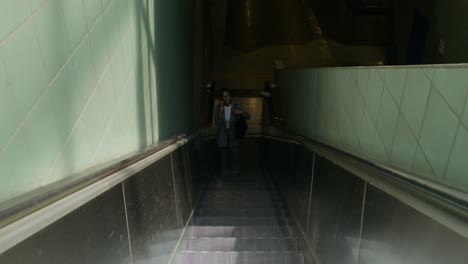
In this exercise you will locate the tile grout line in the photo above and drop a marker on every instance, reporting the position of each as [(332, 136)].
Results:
[(399, 112), (22, 24), (362, 221), (452, 147), (93, 161), (401, 115), (432, 90), (366, 108), (50, 84), (79, 119), (418, 137), (179, 221), (130, 251), (460, 118), (460, 125), (349, 115), (310, 194)]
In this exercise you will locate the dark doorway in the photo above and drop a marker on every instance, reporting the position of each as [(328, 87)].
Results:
[(418, 39)]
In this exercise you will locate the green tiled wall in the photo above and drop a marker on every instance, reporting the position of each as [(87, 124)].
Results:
[(412, 118), (78, 86)]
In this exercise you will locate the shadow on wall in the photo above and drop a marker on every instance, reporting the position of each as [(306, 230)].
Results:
[(99, 85), (165, 34), (145, 73), (174, 45)]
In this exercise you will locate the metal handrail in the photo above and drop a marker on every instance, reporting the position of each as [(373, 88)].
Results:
[(445, 205), (33, 212), (26, 204)]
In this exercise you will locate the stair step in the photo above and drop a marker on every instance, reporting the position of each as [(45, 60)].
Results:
[(240, 196), (241, 258), (238, 200), (242, 244), (237, 187), (239, 204), (240, 212), (240, 231), (239, 221), (236, 194)]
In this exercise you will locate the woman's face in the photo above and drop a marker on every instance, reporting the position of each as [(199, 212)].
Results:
[(226, 98)]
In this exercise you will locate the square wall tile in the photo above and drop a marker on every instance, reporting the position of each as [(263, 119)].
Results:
[(465, 116), (35, 4), (388, 118), (20, 54), (415, 97), (75, 21), (378, 152), (353, 140), (395, 82), (452, 83), (84, 70), (118, 73), (42, 134), (12, 14), (105, 3), (16, 172), (8, 116), (404, 145), (76, 156), (114, 137), (429, 71), (362, 81), (457, 171), (123, 15), (52, 37), (93, 11), (367, 133), (67, 103), (124, 114), (128, 55), (357, 110), (93, 117), (103, 153), (112, 28), (438, 133), (106, 90), (98, 41), (374, 94), (422, 168)]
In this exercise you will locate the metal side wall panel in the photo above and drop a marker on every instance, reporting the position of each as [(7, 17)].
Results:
[(396, 233), (297, 187), (152, 213), (335, 213), (94, 233), (279, 159), (181, 181)]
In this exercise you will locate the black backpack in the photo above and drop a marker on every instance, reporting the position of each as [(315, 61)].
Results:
[(241, 127)]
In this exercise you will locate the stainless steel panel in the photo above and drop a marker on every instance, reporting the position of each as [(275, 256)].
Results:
[(151, 206), (335, 213), (182, 186), (249, 157), (297, 187), (396, 233), (278, 155), (94, 233)]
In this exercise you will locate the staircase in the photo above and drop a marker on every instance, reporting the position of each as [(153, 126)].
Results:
[(240, 222)]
